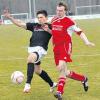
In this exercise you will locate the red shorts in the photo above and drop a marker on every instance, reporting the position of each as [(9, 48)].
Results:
[(63, 52)]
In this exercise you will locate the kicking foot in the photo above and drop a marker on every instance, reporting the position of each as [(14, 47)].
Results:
[(27, 88), (85, 84), (58, 96), (52, 88)]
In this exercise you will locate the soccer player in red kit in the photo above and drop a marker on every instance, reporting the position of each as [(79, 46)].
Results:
[(62, 29)]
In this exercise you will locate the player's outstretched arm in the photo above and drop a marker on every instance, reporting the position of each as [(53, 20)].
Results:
[(85, 39), (14, 21), (77, 30)]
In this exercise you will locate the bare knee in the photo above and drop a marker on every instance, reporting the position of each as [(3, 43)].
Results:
[(32, 58), (61, 66), (67, 73)]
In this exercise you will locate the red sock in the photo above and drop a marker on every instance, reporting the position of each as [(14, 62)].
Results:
[(76, 76), (61, 84)]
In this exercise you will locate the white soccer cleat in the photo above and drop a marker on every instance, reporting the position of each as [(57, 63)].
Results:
[(27, 88), (52, 88)]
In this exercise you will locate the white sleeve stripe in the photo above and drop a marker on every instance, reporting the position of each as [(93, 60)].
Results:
[(73, 29)]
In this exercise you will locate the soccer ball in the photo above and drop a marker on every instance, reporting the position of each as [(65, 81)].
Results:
[(17, 77)]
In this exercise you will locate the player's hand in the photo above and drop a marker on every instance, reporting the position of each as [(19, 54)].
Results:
[(46, 27), (6, 13), (90, 44)]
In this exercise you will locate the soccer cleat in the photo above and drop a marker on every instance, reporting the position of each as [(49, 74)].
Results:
[(85, 84), (52, 88), (27, 88), (58, 96)]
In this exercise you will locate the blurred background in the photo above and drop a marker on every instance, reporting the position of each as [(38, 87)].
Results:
[(30, 7)]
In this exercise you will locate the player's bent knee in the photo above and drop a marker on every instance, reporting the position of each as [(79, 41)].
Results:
[(67, 73), (31, 58)]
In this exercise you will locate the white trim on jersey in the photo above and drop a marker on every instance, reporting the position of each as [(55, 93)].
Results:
[(73, 29), (56, 18)]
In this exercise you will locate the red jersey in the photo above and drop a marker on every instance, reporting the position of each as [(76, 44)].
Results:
[(62, 29)]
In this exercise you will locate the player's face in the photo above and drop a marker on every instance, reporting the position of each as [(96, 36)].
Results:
[(42, 19), (60, 11)]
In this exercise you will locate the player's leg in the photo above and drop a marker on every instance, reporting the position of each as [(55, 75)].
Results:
[(44, 75), (78, 77), (72, 74), (61, 81), (30, 70), (75, 76)]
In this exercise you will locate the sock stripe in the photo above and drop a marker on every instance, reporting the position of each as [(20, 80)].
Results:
[(61, 84)]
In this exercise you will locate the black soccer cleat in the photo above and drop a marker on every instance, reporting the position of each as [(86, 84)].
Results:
[(85, 84), (58, 96)]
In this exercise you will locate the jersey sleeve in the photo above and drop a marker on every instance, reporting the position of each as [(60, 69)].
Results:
[(30, 26), (73, 27), (70, 22), (76, 29)]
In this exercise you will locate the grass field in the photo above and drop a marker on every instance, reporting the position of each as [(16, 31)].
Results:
[(13, 55)]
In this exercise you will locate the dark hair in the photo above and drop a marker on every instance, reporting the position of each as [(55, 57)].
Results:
[(63, 4), (44, 12)]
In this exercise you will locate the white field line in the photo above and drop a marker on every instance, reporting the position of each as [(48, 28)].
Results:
[(10, 58), (88, 55), (91, 55), (49, 57)]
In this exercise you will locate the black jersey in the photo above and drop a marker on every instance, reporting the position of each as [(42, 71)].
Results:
[(39, 36)]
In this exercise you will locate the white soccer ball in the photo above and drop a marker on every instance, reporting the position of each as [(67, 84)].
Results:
[(17, 77)]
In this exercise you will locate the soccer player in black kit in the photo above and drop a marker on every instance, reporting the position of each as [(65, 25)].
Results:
[(37, 48)]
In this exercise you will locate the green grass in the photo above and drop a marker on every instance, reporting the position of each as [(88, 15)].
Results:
[(13, 56)]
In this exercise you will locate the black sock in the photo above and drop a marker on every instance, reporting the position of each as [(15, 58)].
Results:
[(46, 78), (30, 71)]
